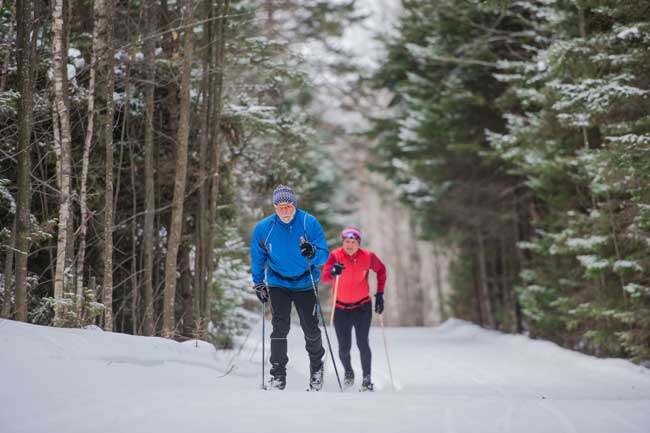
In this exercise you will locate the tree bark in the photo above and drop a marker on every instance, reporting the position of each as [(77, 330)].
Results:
[(134, 250), (488, 319), (216, 94), (180, 177), (83, 195), (23, 200), (439, 293), (104, 98), (202, 218), (9, 274), (59, 67), (149, 216), (186, 290)]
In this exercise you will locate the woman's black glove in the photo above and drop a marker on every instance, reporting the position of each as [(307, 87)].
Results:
[(337, 268), (379, 303)]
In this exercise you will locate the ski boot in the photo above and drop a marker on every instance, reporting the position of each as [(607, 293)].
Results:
[(366, 384), (316, 379), (348, 379), (278, 382)]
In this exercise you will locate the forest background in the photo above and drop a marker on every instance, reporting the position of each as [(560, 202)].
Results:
[(495, 153)]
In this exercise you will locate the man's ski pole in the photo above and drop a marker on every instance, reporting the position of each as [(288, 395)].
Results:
[(336, 289), (263, 342), (390, 370), (320, 311)]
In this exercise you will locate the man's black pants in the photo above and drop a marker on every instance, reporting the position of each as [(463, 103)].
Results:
[(305, 303), (344, 321)]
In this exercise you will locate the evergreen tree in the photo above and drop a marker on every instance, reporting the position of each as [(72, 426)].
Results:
[(578, 130)]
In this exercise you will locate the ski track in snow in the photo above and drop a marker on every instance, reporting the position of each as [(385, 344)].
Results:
[(456, 378), (565, 423)]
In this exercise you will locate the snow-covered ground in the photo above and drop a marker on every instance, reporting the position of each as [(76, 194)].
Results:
[(454, 378)]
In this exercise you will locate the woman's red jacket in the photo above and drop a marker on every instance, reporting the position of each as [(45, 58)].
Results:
[(353, 287)]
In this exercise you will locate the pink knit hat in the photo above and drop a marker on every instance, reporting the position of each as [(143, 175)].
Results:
[(351, 233)]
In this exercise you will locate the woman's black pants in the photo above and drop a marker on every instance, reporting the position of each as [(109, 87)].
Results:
[(358, 318)]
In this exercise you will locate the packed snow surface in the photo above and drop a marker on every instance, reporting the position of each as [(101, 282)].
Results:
[(454, 378)]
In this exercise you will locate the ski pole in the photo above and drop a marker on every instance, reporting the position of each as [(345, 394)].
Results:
[(383, 334), (320, 311), (263, 342), (336, 289)]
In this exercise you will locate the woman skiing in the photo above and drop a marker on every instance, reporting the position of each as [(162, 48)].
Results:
[(351, 265)]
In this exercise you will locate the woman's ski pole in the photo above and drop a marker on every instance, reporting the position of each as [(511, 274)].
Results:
[(390, 370), (336, 289)]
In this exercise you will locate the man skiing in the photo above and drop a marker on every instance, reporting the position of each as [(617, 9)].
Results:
[(280, 247), (351, 265)]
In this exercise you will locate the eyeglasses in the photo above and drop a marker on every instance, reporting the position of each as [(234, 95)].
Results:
[(284, 206)]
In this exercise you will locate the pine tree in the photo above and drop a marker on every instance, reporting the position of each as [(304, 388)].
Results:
[(577, 128)]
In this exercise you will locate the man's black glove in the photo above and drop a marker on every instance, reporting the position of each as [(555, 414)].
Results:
[(337, 268), (379, 303), (307, 249), (262, 292)]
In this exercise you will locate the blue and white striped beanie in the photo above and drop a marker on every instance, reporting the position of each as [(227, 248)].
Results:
[(284, 194)]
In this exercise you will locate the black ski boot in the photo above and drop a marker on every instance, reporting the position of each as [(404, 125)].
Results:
[(366, 384), (348, 379), (316, 379), (278, 382)]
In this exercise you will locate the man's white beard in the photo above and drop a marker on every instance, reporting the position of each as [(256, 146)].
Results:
[(287, 219)]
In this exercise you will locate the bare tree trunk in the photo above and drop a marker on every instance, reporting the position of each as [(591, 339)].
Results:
[(186, 290), (9, 274), (519, 261), (60, 89), (170, 46), (83, 195), (23, 201), (149, 197), (483, 283), (216, 94), (104, 98), (134, 251), (176, 223), (202, 243), (439, 292)]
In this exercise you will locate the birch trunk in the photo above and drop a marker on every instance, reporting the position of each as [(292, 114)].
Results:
[(60, 89), (176, 223), (83, 195)]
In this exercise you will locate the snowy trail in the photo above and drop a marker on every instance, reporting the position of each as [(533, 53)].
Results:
[(455, 378)]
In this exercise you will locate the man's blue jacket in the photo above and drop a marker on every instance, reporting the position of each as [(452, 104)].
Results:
[(277, 245)]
